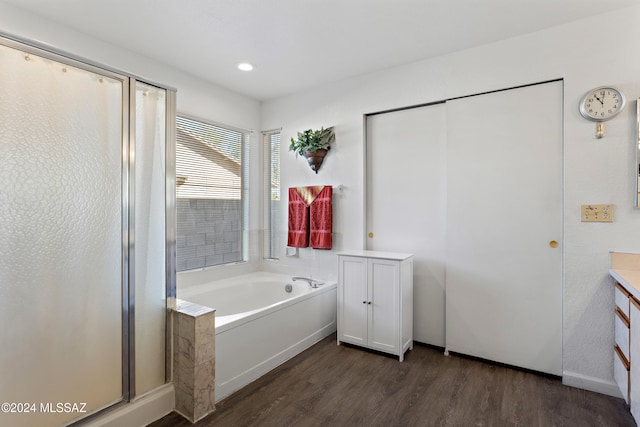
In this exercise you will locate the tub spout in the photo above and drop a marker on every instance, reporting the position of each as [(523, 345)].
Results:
[(310, 281)]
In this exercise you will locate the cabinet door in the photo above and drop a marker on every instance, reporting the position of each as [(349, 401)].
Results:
[(384, 310), (621, 372), (352, 300), (634, 350)]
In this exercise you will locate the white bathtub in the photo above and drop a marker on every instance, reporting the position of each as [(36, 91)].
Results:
[(259, 325)]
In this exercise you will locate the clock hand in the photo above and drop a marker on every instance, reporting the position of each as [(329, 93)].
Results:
[(599, 100)]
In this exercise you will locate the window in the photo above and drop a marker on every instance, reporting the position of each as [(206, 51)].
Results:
[(272, 193), (211, 195)]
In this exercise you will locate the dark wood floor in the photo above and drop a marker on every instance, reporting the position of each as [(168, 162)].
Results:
[(330, 385)]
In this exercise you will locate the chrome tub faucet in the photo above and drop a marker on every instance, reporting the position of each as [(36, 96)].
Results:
[(310, 281)]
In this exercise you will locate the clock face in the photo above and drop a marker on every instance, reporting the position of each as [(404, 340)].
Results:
[(601, 104)]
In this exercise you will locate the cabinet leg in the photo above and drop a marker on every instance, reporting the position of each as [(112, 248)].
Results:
[(446, 351)]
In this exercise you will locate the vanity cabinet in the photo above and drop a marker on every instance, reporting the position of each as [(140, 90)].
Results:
[(625, 269), (626, 357), (375, 300), (633, 386), (621, 366)]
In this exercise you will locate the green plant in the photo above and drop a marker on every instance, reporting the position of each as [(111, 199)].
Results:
[(312, 140)]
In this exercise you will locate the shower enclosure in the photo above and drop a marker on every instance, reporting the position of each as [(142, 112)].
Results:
[(86, 236)]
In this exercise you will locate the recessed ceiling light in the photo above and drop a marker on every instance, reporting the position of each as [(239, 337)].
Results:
[(245, 66)]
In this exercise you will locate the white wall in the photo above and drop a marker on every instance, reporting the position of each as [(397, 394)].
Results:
[(595, 171)]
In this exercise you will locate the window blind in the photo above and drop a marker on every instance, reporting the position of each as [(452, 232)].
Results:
[(272, 205), (211, 191), (208, 160)]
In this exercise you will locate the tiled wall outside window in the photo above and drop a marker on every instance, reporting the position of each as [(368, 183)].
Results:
[(209, 232)]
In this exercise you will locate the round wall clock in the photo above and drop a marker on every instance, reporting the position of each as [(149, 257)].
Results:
[(602, 103)]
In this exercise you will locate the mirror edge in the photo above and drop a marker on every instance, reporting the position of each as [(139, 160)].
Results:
[(637, 151)]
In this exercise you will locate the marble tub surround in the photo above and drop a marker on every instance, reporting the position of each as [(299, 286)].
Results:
[(194, 360), (625, 268)]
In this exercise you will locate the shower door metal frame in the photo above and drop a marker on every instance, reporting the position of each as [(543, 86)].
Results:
[(170, 225), (127, 194)]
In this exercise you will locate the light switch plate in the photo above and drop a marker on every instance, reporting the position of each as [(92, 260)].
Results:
[(596, 213)]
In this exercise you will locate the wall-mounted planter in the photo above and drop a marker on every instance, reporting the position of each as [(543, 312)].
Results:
[(313, 145), (315, 158)]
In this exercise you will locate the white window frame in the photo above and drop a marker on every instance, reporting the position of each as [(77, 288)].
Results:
[(205, 245), (271, 192)]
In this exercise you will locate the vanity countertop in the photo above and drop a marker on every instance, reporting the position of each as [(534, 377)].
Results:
[(625, 268)]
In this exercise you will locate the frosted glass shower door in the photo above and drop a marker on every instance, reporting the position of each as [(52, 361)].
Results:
[(149, 235), (61, 234)]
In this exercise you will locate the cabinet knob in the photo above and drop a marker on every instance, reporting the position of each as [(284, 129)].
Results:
[(369, 303), (364, 302)]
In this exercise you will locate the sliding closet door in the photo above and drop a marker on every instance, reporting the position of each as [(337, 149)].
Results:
[(406, 203), (504, 217)]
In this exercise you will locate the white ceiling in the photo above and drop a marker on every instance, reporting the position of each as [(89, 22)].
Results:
[(297, 44)]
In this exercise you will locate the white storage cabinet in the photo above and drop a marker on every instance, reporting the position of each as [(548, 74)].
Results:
[(375, 300)]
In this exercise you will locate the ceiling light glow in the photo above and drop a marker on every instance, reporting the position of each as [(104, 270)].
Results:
[(245, 66)]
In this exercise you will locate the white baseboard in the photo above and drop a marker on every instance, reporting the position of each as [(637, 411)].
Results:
[(597, 385), (142, 411)]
